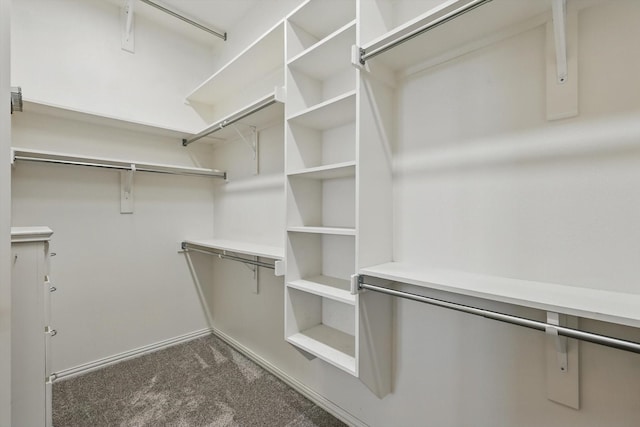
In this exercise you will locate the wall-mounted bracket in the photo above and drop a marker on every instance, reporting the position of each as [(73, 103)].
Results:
[(252, 143), (560, 342), (559, 8), (126, 190), (16, 99), (356, 280), (563, 385), (127, 26), (279, 268), (562, 61)]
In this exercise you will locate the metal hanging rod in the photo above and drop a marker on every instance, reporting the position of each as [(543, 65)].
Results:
[(447, 15), (223, 36), (189, 247), (46, 157), (233, 118), (607, 341)]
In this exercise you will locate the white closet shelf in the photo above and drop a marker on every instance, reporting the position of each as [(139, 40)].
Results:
[(30, 234), (258, 59), (306, 16), (327, 287), (70, 113), (103, 162), (332, 171), (449, 35), (329, 344), (607, 306), (325, 58), (328, 114), (259, 113), (240, 247), (338, 231)]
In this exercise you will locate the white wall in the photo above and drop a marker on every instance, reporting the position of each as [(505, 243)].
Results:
[(5, 218), (121, 282), (68, 52)]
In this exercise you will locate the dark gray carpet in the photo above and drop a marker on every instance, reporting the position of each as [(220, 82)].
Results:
[(203, 382)]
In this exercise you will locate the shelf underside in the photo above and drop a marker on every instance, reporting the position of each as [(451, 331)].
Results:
[(476, 24), (607, 306), (334, 171), (240, 247)]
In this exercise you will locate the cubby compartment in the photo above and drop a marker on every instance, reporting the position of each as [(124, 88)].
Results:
[(315, 254), (323, 327), (321, 202), (314, 21), (315, 148)]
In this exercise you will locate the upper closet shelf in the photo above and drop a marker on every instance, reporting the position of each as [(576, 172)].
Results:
[(607, 306), (447, 27), (259, 59), (239, 247), (67, 113), (102, 162), (257, 114)]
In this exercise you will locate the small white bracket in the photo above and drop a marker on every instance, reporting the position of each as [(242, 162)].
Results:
[(563, 385), (355, 278), (279, 268), (562, 61), (355, 56), (559, 342), (252, 143), (13, 156), (559, 8), (126, 190), (127, 26)]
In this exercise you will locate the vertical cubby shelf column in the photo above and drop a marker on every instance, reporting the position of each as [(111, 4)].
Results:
[(321, 314)]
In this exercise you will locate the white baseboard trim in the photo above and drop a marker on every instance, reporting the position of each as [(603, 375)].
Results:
[(120, 357), (300, 387)]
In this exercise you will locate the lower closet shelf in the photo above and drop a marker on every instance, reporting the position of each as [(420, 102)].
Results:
[(330, 344), (239, 247)]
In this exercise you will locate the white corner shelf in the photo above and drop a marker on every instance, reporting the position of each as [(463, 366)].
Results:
[(607, 306), (240, 247), (327, 287), (484, 20), (328, 114), (329, 344), (336, 231), (24, 154), (259, 113), (328, 56), (258, 59), (85, 116), (332, 171)]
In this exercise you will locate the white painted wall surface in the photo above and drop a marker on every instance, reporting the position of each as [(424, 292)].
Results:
[(68, 52), (5, 217)]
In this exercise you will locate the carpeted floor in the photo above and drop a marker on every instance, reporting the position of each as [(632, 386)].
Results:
[(203, 382)]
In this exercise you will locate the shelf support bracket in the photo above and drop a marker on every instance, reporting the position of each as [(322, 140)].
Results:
[(559, 8), (562, 61), (562, 362), (127, 24), (252, 143), (126, 190)]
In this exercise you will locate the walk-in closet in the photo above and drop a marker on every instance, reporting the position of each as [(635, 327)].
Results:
[(315, 212)]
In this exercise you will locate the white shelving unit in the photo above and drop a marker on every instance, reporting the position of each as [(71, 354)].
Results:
[(322, 316)]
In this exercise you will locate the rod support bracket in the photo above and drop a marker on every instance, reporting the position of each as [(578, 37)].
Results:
[(559, 341)]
